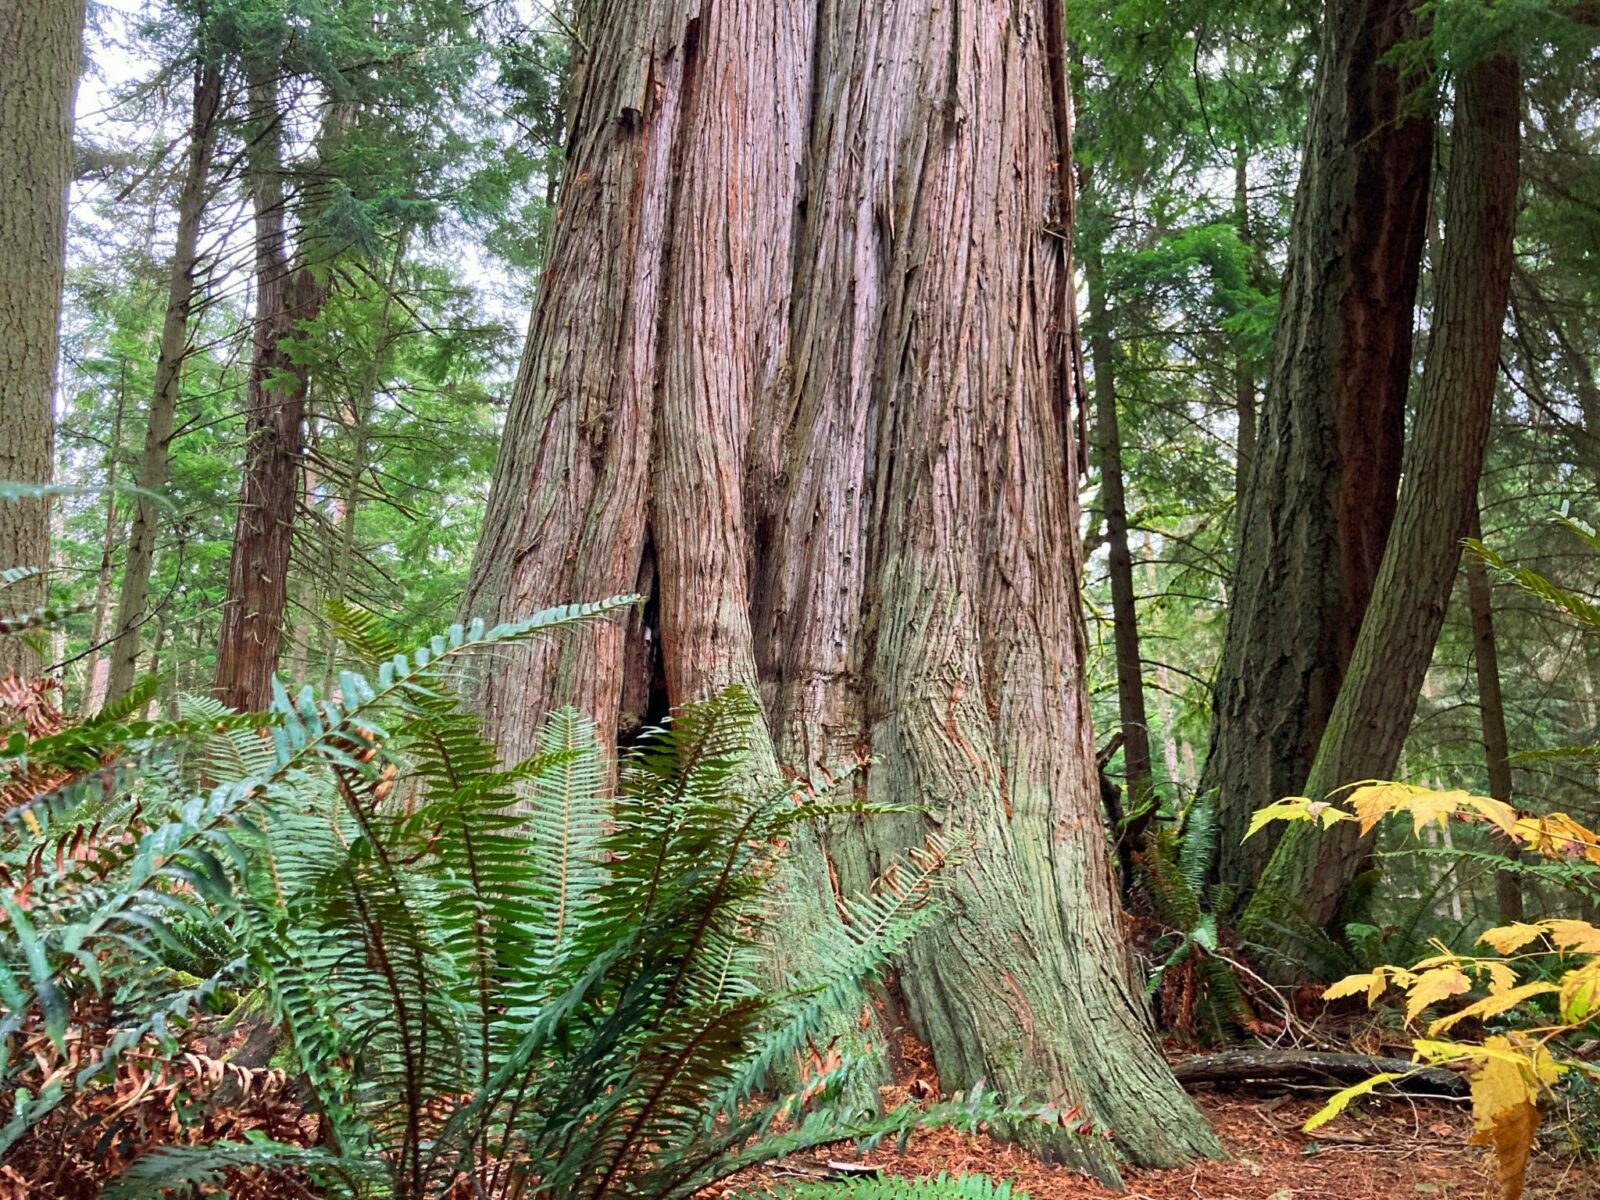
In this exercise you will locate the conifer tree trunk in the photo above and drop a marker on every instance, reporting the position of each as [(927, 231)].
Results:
[(162, 416), (1327, 454), (795, 368), (1310, 869), (96, 670), (1491, 712), (251, 636), (1124, 613), (41, 42)]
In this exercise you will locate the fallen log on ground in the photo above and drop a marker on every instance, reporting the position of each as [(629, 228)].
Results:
[(1259, 1066)]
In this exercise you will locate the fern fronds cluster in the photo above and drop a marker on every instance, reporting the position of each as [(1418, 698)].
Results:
[(484, 978)]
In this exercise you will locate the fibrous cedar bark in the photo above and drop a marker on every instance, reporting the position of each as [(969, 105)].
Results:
[(795, 369), (251, 634), (1321, 492), (1310, 869), (162, 416), (41, 42)]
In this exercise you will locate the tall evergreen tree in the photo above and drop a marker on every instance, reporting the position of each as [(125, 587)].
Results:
[(41, 45), (845, 476)]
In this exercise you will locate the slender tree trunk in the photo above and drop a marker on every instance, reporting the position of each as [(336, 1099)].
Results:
[(155, 458), (1310, 869), (1169, 737), (95, 673), (41, 43), (1491, 712), (1322, 487), (1244, 371), (1124, 613), (845, 472), (251, 636)]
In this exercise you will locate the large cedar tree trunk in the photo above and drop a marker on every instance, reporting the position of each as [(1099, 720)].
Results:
[(41, 42), (794, 371), (155, 458), (1311, 868), (251, 635), (1327, 456)]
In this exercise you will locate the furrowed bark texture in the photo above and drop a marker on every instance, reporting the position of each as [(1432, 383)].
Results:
[(1310, 869), (1327, 456), (41, 42), (251, 634), (161, 419), (793, 368)]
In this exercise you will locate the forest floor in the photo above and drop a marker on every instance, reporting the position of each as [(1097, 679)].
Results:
[(1417, 1150)]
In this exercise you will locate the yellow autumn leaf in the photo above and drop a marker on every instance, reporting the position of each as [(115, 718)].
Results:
[(1495, 1004), (1508, 1075), (1428, 1052), (1430, 987), (1341, 1100), (1578, 936), (1580, 993), (1371, 982), (1497, 812), (1501, 977), (1556, 835), (1508, 939), (1510, 1134), (1296, 808), (1374, 801)]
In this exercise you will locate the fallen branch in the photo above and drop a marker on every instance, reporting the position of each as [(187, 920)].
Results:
[(1289, 1066)]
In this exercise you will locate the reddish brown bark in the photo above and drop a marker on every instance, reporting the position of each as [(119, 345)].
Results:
[(796, 365), (251, 634)]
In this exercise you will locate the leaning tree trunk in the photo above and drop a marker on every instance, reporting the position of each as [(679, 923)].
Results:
[(41, 42), (794, 371), (1491, 712), (1311, 868), (155, 458), (251, 636), (1327, 455)]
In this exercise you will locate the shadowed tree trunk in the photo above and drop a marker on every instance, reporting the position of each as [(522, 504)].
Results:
[(1492, 713), (1139, 805), (155, 458), (251, 635), (795, 369), (41, 42), (1311, 868), (1327, 454)]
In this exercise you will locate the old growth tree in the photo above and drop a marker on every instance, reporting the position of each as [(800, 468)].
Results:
[(800, 371)]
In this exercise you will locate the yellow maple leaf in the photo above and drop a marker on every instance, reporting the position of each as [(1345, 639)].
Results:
[(1495, 1004), (1497, 812), (1296, 808), (1432, 986), (1580, 992), (1572, 935), (1341, 1100), (1506, 1088), (1508, 939), (1510, 1135), (1501, 977), (1371, 982)]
